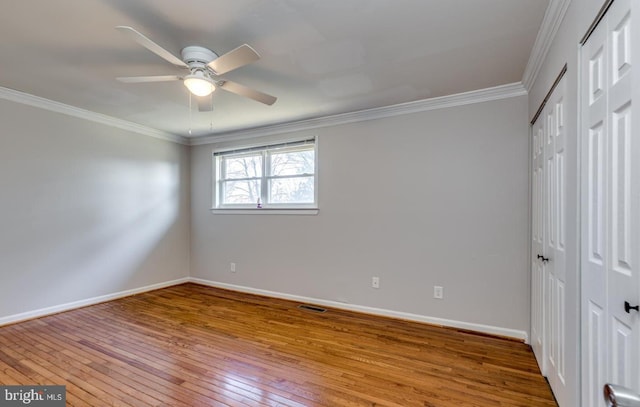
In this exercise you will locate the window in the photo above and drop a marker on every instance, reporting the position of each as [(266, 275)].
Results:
[(279, 176)]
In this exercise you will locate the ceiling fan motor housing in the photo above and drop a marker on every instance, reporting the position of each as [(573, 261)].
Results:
[(197, 57)]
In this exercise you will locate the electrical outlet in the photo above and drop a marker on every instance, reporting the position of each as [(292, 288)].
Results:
[(438, 292), (375, 282), (232, 267)]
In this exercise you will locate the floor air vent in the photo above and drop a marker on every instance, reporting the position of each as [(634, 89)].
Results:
[(312, 308)]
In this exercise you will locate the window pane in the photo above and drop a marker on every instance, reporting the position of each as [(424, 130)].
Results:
[(297, 190), (241, 192), (292, 163), (247, 166)]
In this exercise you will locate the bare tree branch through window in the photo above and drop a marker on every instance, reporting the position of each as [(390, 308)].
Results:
[(269, 176)]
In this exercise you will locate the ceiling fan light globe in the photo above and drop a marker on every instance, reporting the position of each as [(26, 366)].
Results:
[(199, 86)]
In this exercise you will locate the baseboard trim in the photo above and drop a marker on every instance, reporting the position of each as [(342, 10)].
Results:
[(12, 319), (485, 329)]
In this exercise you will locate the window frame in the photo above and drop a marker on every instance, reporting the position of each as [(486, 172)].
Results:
[(265, 150)]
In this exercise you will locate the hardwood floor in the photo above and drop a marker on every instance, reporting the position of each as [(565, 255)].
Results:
[(191, 345)]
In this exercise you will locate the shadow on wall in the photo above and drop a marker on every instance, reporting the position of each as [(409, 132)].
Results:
[(146, 209), (90, 234)]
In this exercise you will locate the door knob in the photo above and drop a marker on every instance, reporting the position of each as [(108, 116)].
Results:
[(618, 396), (628, 307)]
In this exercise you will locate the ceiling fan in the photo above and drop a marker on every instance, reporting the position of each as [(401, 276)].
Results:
[(204, 67)]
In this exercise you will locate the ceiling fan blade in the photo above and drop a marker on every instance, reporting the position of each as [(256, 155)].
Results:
[(142, 79), (151, 46), (242, 90), (205, 104), (240, 56)]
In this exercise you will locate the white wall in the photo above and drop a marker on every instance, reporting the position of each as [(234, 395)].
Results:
[(438, 197), (564, 49), (86, 210)]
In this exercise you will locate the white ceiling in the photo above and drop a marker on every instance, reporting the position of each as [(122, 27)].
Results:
[(319, 57)]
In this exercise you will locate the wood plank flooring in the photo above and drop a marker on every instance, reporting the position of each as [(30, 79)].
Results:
[(191, 345)]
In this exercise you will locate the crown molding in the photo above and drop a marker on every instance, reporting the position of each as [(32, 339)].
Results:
[(550, 24), (57, 107), (459, 99)]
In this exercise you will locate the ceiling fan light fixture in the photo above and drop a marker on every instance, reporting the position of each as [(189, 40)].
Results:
[(199, 84)]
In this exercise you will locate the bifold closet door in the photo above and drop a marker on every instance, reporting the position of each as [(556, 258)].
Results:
[(549, 240), (538, 342), (610, 203)]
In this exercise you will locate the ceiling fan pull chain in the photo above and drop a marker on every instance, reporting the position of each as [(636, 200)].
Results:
[(211, 122), (190, 109)]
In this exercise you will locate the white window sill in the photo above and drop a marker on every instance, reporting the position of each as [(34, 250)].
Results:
[(264, 211)]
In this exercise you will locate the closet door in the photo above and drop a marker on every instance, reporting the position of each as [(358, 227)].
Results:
[(593, 209), (537, 238), (610, 204), (549, 241), (554, 239)]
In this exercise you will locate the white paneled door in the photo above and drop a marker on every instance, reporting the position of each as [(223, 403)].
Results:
[(555, 239), (549, 240), (610, 202), (538, 342)]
